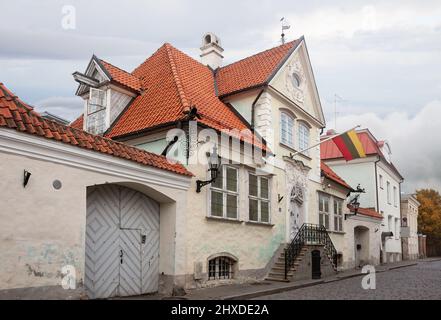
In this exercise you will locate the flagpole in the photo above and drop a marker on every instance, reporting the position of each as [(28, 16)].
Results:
[(292, 155)]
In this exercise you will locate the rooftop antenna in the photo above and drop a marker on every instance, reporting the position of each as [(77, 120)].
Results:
[(285, 26), (337, 98)]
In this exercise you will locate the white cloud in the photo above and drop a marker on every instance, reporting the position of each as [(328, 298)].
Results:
[(414, 142)]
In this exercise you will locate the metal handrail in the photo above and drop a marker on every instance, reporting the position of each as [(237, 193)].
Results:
[(310, 234)]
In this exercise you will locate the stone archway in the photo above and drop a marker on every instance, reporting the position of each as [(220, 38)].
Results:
[(361, 246)]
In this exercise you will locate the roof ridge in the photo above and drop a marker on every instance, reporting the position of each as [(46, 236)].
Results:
[(177, 80), (260, 52), (118, 68), (15, 98)]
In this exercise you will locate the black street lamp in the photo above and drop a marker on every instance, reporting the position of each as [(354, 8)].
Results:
[(354, 205), (214, 165)]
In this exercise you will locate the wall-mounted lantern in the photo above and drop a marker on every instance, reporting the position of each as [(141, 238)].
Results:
[(26, 177), (354, 204), (214, 165)]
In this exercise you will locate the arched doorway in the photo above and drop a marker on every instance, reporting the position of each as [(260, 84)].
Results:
[(122, 242), (361, 246)]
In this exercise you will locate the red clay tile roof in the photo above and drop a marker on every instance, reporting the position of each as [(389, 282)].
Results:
[(17, 115), (330, 174), (78, 123), (253, 71), (122, 77), (175, 82), (367, 212)]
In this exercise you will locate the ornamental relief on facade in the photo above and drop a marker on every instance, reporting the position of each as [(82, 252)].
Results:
[(295, 87), (297, 190)]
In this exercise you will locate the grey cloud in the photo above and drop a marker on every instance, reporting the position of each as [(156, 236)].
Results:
[(27, 44), (68, 108), (415, 150)]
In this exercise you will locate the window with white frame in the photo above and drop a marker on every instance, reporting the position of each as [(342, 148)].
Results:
[(96, 111), (287, 129), (259, 199), (388, 192), (381, 181), (324, 210), (338, 215), (303, 137), (395, 197), (224, 194)]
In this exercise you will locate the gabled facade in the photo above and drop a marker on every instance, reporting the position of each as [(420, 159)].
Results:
[(267, 102), (382, 182)]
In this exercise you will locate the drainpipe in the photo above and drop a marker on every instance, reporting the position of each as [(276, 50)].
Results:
[(399, 207), (376, 186), (377, 206), (252, 109)]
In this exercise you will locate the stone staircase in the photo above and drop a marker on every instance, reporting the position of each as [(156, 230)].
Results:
[(277, 272), (309, 238)]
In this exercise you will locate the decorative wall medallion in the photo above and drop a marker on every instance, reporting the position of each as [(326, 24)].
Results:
[(295, 80), (57, 184)]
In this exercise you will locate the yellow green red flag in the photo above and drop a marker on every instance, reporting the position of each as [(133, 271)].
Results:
[(349, 145)]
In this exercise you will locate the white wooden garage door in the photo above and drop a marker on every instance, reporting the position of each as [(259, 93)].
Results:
[(122, 242)]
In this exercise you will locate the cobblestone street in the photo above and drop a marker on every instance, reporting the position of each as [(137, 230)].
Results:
[(422, 281)]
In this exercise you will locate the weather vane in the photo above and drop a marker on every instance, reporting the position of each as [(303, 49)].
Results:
[(285, 26)]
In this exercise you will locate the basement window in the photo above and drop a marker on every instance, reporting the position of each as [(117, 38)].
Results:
[(221, 268)]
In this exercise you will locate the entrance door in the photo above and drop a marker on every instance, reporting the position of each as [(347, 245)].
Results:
[(122, 242), (315, 264), (130, 263)]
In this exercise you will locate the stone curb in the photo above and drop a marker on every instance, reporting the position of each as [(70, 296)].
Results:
[(398, 267), (255, 294)]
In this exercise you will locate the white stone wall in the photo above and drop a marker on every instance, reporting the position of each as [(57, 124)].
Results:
[(43, 228)]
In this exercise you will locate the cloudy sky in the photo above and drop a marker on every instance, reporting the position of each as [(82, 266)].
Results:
[(382, 58)]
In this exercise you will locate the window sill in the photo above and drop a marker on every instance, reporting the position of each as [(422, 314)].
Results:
[(257, 223), (306, 156), (222, 219), (337, 232), (287, 146)]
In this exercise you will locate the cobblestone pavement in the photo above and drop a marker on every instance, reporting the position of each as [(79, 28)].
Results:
[(422, 281)]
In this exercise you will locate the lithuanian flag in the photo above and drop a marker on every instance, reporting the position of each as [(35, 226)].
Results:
[(349, 145)]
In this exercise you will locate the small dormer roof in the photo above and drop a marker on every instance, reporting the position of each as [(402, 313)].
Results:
[(100, 72)]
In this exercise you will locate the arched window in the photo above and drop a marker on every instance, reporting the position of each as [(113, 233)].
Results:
[(221, 267), (303, 137), (287, 129), (207, 39)]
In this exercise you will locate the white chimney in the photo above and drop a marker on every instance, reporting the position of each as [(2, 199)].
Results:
[(211, 51)]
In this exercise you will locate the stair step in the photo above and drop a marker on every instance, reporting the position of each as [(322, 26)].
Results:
[(282, 268), (280, 274), (276, 279)]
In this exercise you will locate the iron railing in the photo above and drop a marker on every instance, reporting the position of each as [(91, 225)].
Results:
[(309, 234)]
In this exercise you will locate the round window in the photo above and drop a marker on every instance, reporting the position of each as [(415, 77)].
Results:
[(295, 80)]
